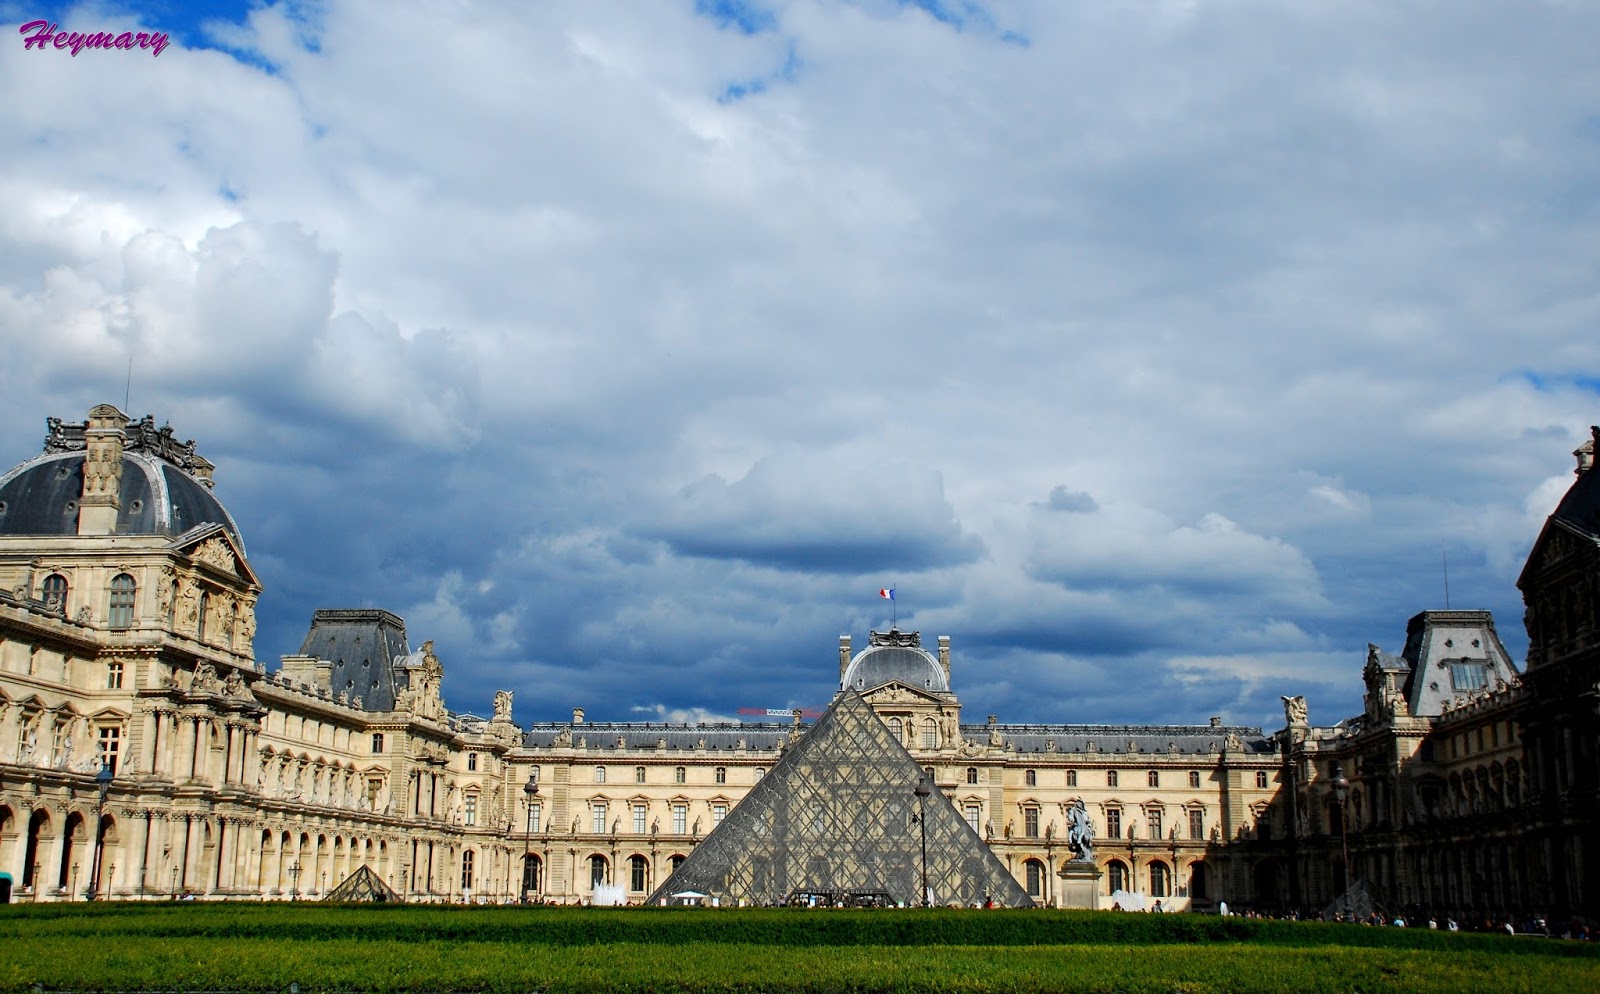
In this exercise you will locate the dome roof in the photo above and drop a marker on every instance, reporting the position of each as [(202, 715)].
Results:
[(895, 657), (156, 493)]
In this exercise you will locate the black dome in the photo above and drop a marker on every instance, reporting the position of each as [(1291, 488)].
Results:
[(41, 496)]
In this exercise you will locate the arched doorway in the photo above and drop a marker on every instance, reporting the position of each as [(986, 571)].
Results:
[(1197, 881), (73, 836), (1116, 876), (599, 871), (1034, 872), (532, 876), (38, 830), (1160, 879), (1266, 881)]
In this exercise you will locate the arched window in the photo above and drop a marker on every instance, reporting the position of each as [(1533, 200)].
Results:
[(467, 859), (972, 774), (1116, 876), (54, 593), (1072, 778), (599, 774), (930, 734), (598, 871), (1035, 875), (677, 861), (1160, 879), (898, 729), (721, 774), (472, 761), (205, 607), (1154, 778), (1111, 778), (122, 592), (638, 875)]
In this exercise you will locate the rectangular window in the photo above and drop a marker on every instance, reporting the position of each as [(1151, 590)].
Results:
[(718, 812), (110, 746), (1030, 822), (636, 869), (467, 859), (722, 774), (599, 818), (680, 819), (1197, 823), (472, 761), (1153, 816), (1469, 675), (1261, 779), (973, 813), (377, 741), (535, 817), (1072, 778), (469, 812), (599, 774), (1114, 823), (638, 819), (1194, 778), (113, 676), (638, 774), (680, 775), (1030, 777), (1154, 778), (1111, 778)]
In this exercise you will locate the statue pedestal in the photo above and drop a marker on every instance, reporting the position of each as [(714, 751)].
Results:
[(1080, 886)]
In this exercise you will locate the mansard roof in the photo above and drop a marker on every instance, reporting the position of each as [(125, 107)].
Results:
[(363, 645), (601, 737)]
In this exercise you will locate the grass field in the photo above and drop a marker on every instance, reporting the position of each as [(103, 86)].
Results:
[(256, 947)]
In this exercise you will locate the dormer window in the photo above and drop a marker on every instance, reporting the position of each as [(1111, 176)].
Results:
[(1469, 674)]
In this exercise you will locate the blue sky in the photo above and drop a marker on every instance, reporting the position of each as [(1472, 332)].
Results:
[(1156, 352)]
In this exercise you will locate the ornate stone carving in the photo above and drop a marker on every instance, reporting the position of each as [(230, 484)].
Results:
[(205, 679), (502, 705), (1294, 710), (214, 551)]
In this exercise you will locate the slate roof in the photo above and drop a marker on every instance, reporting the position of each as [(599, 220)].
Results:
[(634, 736), (362, 644), (1156, 740)]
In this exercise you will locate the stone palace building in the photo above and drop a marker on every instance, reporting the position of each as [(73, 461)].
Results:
[(145, 752)]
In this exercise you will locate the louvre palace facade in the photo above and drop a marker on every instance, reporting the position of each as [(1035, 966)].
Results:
[(146, 753)]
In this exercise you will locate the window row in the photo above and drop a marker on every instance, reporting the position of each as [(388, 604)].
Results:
[(680, 774)]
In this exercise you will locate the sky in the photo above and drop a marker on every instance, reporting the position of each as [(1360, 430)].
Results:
[(1162, 354)]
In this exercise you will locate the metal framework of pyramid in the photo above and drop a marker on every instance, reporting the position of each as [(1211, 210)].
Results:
[(362, 885), (835, 821)]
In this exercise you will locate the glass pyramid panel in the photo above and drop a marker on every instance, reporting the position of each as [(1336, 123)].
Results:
[(835, 821), (362, 885)]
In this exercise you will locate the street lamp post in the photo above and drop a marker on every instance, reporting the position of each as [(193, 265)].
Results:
[(531, 789), (922, 792), (1341, 792), (294, 880), (103, 781)]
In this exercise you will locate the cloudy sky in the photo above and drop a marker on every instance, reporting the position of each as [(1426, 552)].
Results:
[(1157, 352)]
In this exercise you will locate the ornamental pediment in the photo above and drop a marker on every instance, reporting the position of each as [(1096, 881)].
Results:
[(899, 693), (212, 546)]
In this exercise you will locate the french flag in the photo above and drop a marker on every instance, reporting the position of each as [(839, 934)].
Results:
[(887, 593)]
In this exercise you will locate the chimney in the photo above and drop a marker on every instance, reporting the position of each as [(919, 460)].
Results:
[(1585, 452), (577, 716), (944, 657), (844, 656), (102, 471), (1216, 721)]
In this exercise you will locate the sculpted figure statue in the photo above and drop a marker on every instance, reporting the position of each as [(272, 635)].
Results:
[(1080, 833), (502, 705), (1294, 710)]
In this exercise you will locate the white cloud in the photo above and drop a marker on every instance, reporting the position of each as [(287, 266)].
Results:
[(1270, 305)]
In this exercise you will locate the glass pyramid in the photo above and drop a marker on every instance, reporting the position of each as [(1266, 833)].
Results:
[(362, 885), (835, 822)]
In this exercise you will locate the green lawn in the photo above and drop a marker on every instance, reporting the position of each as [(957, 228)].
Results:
[(256, 947)]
